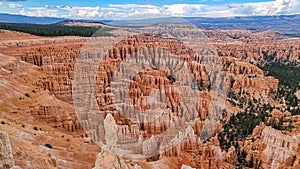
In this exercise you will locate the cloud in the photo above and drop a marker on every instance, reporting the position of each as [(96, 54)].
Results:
[(183, 9), (89, 12), (70, 12), (40, 12), (14, 6), (1, 3), (278, 7), (136, 11), (115, 11)]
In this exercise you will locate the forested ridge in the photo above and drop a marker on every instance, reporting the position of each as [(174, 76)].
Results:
[(56, 29)]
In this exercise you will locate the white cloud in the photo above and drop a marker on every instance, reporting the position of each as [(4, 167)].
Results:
[(183, 9), (135, 11), (1, 3), (275, 7), (89, 12), (40, 12), (14, 6)]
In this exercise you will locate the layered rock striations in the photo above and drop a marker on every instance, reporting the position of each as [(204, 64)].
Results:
[(56, 58), (34, 117)]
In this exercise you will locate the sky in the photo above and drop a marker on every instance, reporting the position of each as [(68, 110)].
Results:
[(118, 9)]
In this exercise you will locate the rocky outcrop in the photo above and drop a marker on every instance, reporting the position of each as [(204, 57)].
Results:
[(41, 105), (56, 116), (186, 167), (279, 147), (108, 160), (110, 129), (262, 50), (34, 117), (6, 155), (270, 148), (56, 58), (244, 77), (277, 114), (241, 35), (209, 155), (297, 94)]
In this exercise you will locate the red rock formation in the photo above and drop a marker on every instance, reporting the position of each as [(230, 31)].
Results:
[(49, 70), (262, 50), (247, 78), (271, 148)]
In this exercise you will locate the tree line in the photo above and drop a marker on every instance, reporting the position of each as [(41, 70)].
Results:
[(53, 30)]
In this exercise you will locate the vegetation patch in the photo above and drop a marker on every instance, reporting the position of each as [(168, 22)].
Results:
[(286, 74), (53, 30), (289, 84), (27, 94), (48, 145)]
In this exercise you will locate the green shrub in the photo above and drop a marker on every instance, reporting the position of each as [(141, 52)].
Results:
[(48, 145), (27, 95)]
